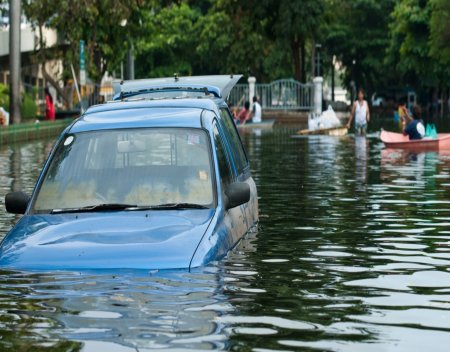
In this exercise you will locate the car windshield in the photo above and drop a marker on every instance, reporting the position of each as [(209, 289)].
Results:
[(129, 167)]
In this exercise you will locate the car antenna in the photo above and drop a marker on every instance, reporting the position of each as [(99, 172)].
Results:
[(175, 76)]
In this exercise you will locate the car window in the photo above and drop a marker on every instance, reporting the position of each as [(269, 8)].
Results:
[(133, 166), (222, 157), (238, 150)]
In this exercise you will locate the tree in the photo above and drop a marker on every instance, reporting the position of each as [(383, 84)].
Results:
[(439, 43), (409, 47), (38, 13), (197, 38), (356, 32), (419, 47), (226, 36), (104, 25), (170, 39), (440, 31), (293, 24)]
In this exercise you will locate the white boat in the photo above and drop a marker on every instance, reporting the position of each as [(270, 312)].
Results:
[(334, 131), (265, 124)]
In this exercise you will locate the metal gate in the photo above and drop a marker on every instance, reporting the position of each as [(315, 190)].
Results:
[(283, 94)]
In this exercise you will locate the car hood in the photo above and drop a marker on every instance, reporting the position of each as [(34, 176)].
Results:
[(138, 240)]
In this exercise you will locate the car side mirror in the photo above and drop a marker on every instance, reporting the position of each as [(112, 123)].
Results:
[(236, 194), (17, 202)]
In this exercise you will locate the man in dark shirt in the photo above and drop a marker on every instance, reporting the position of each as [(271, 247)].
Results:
[(415, 128)]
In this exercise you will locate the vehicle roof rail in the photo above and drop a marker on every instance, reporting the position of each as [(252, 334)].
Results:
[(219, 85)]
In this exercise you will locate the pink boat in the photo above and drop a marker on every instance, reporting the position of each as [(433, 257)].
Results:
[(398, 140)]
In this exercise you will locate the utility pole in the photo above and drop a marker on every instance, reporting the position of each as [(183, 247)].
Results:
[(14, 60)]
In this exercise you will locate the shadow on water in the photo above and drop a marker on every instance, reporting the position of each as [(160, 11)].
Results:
[(352, 253)]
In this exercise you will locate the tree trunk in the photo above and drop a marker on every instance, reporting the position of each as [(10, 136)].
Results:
[(42, 55), (303, 61), (55, 84), (296, 55), (101, 69), (332, 81), (446, 100)]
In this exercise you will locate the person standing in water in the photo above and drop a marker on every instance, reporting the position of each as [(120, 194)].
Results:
[(49, 106), (256, 113), (361, 113)]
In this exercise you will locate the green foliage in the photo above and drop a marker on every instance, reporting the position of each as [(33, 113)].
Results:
[(28, 109), (440, 31), (409, 44), (419, 51), (226, 36), (356, 32), (169, 42), (4, 96), (106, 27), (378, 43)]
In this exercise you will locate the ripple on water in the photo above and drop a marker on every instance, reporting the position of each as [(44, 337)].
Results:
[(336, 254), (423, 279), (409, 300), (420, 317), (267, 320), (97, 314)]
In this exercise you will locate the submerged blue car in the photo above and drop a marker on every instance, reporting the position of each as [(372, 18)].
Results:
[(157, 179)]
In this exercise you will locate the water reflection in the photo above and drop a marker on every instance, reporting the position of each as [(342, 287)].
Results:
[(352, 254), (361, 156)]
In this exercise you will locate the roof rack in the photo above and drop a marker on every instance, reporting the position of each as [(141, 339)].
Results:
[(217, 85), (172, 88)]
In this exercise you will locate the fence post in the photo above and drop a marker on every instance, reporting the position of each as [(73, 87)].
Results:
[(318, 95), (251, 89)]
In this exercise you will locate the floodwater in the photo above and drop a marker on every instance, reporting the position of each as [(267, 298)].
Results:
[(352, 254)]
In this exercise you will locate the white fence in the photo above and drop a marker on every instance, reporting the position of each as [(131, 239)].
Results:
[(283, 94)]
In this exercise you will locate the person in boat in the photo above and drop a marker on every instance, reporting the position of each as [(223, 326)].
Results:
[(415, 128), (361, 114), (233, 110), (401, 113), (255, 115), (243, 114)]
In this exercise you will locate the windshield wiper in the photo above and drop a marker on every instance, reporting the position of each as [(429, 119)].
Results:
[(120, 206), (169, 206), (92, 208)]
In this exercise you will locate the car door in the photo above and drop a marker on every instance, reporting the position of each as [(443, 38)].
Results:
[(235, 219), (241, 163)]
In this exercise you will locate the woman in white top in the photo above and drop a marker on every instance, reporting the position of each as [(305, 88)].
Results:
[(360, 111), (256, 114)]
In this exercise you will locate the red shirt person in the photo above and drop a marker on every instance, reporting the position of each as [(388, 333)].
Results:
[(49, 106), (244, 113)]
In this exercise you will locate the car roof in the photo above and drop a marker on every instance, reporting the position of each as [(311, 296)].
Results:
[(145, 113)]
